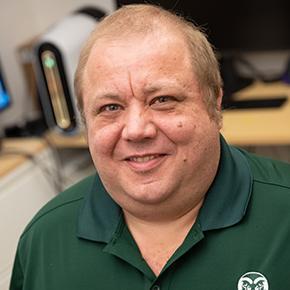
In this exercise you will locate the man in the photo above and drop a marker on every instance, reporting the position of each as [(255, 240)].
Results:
[(172, 206)]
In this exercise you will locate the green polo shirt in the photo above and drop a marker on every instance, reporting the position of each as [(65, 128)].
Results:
[(79, 240)]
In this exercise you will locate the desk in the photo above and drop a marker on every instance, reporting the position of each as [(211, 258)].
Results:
[(10, 160), (259, 127), (59, 140)]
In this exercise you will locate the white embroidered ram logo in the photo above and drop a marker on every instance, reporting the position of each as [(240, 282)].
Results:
[(253, 281)]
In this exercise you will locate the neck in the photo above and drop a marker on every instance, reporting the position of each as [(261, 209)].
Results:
[(186, 218), (159, 239)]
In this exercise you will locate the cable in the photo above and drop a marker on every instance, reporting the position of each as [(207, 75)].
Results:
[(49, 176), (62, 170), (57, 159)]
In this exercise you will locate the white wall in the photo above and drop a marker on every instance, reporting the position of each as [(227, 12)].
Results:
[(21, 20)]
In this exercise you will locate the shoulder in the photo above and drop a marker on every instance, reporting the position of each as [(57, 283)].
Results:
[(269, 171), (271, 185), (65, 205), (270, 195)]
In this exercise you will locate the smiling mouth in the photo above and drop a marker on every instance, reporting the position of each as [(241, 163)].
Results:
[(143, 159), (145, 162)]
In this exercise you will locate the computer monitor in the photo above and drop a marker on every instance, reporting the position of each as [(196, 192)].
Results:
[(5, 99), (235, 28), (243, 25)]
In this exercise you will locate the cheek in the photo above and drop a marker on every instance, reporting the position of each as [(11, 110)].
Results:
[(102, 140), (190, 132), (179, 129)]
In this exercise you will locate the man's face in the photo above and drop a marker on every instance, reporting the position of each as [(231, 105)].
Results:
[(149, 133)]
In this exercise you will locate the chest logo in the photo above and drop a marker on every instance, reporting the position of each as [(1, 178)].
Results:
[(253, 281)]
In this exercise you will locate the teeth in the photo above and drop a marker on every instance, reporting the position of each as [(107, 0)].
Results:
[(142, 159)]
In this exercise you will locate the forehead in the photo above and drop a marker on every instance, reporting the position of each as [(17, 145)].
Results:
[(160, 46), (150, 60)]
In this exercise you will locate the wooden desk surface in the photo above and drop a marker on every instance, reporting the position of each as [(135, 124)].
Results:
[(270, 126), (66, 141), (10, 159)]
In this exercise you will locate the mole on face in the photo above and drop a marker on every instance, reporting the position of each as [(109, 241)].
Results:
[(179, 125)]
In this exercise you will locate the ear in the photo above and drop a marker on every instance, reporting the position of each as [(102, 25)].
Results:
[(219, 100), (219, 109)]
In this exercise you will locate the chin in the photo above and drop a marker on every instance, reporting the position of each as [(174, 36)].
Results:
[(148, 194)]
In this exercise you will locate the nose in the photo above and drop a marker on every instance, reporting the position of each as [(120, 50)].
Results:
[(138, 126)]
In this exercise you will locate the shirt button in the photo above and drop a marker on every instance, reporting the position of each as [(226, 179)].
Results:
[(156, 287)]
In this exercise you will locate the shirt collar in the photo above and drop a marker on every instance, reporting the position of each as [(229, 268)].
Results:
[(99, 215), (225, 203), (227, 198)]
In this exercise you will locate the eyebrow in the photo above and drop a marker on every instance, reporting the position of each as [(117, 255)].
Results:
[(151, 89), (147, 90), (102, 96)]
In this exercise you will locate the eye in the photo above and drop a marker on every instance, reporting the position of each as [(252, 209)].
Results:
[(161, 99), (110, 108), (163, 103)]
